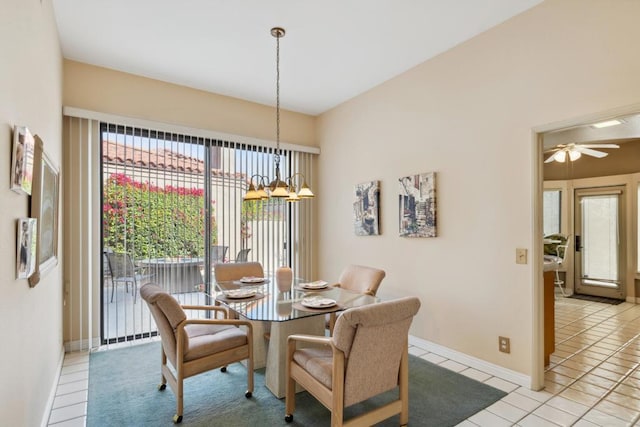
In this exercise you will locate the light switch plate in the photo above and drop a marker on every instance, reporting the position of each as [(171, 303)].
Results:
[(521, 256)]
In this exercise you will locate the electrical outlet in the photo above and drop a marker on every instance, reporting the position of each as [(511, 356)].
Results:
[(521, 256), (504, 344)]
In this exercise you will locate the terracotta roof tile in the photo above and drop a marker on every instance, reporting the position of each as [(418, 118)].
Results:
[(114, 152)]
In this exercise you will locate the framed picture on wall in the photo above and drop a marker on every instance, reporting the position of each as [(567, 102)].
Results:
[(22, 160), (26, 248), (417, 205), (44, 206), (366, 209)]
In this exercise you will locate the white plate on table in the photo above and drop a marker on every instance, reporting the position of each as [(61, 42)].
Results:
[(318, 302), (252, 279), (318, 284), (240, 293)]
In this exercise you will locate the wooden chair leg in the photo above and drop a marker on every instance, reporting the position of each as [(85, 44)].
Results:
[(179, 404), (332, 322), (290, 392), (404, 387)]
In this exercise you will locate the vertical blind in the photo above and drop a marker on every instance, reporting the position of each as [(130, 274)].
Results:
[(172, 204)]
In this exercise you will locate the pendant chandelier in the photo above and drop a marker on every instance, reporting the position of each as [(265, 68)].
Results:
[(284, 188)]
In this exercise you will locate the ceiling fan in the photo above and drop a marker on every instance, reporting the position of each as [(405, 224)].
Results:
[(575, 151)]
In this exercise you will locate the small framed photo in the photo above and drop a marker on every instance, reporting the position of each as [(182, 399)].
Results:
[(22, 160), (26, 251)]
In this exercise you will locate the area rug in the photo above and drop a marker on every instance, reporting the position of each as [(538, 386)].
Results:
[(604, 300), (123, 392)]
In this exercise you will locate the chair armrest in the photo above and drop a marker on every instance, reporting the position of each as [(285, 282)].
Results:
[(207, 308), (314, 339), (233, 322)]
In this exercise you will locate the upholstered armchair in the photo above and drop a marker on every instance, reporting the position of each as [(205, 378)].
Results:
[(228, 272), (194, 346), (237, 270), (366, 356), (360, 279)]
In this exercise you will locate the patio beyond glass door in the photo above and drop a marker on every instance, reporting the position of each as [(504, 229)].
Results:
[(600, 242)]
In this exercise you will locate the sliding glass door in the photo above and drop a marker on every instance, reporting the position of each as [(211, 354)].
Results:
[(172, 207)]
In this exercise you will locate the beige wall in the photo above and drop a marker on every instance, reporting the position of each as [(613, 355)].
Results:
[(468, 115), (108, 91), (31, 318)]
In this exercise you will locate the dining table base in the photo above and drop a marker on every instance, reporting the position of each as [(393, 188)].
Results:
[(276, 369)]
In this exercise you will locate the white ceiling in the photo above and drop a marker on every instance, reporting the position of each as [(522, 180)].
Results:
[(333, 49)]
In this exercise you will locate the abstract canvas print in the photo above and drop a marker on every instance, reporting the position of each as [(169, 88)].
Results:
[(418, 205), (366, 209)]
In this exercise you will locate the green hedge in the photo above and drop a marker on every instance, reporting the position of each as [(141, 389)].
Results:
[(149, 221)]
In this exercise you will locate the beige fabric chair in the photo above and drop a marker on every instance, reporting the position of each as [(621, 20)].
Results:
[(361, 279), (194, 346), (366, 356), (357, 278), (237, 270)]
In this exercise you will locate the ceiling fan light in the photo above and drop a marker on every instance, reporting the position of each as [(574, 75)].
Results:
[(560, 156), (574, 155)]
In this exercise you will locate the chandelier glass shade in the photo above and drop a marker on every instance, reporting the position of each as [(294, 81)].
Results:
[(260, 187)]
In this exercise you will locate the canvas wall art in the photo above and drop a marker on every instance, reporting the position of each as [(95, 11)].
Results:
[(418, 205), (22, 160), (26, 253), (366, 209), (44, 206)]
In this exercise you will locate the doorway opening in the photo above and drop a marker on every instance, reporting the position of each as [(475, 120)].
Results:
[(597, 199)]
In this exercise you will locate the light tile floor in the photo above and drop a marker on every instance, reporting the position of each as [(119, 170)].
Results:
[(593, 378)]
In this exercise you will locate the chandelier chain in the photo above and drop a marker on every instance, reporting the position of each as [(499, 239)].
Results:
[(277, 156)]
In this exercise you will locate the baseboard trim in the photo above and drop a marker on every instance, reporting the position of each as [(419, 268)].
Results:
[(54, 387), (81, 345), (473, 362)]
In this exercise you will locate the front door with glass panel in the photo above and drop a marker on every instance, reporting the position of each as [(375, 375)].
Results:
[(600, 242)]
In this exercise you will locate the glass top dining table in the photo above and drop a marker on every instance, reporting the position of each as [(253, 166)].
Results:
[(285, 314), (272, 305)]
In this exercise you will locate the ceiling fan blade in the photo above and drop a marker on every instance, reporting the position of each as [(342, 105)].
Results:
[(549, 159), (590, 152), (552, 150), (598, 145)]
